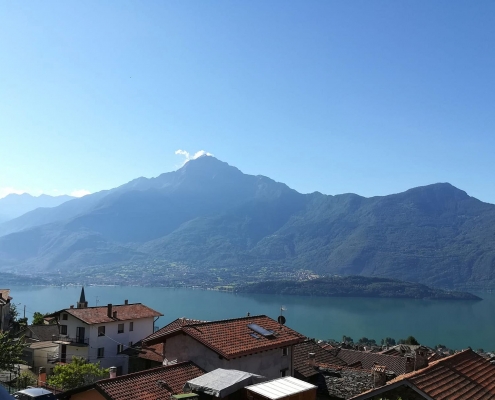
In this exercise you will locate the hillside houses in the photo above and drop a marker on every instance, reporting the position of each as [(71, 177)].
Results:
[(189, 359)]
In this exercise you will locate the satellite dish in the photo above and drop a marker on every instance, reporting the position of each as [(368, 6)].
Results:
[(281, 320)]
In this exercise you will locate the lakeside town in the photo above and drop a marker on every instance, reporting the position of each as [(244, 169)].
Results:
[(116, 352)]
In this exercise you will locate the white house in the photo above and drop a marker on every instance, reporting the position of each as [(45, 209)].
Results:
[(100, 334), (256, 344)]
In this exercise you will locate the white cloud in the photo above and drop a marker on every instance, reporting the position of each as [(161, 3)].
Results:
[(189, 157), (80, 193), (5, 191)]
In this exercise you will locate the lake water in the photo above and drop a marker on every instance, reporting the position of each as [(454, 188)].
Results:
[(456, 324)]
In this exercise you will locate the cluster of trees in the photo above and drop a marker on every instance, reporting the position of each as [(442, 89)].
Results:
[(388, 341), (77, 373)]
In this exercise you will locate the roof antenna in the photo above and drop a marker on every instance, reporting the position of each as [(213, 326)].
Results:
[(281, 318)]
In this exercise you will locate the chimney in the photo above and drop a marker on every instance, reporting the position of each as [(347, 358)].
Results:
[(109, 311), (311, 359), (379, 375), (115, 314), (126, 302), (42, 377), (113, 372), (72, 306)]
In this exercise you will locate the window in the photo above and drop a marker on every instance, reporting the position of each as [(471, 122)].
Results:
[(63, 329), (120, 328), (101, 352), (64, 317), (285, 351), (120, 348), (131, 326), (101, 330), (283, 372)]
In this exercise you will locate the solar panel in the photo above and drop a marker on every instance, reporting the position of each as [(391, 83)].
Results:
[(258, 329), (254, 335)]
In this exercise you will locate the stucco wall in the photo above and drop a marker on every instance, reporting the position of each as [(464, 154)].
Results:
[(142, 328), (267, 363)]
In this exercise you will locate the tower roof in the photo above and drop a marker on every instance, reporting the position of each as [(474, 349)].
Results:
[(82, 299)]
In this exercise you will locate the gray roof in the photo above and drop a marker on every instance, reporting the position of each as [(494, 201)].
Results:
[(222, 382), (43, 333)]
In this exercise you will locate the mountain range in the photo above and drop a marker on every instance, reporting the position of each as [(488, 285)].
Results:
[(209, 214), (15, 205)]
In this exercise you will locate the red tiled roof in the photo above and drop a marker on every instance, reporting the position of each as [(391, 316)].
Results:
[(462, 376), (173, 326), (152, 384), (153, 353), (323, 358), (98, 315), (395, 364), (233, 338)]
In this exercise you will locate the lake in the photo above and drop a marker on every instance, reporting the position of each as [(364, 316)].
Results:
[(456, 324)]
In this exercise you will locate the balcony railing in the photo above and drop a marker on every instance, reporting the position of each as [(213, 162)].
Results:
[(72, 340)]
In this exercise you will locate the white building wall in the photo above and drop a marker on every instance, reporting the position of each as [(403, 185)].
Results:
[(142, 328), (267, 363), (40, 358)]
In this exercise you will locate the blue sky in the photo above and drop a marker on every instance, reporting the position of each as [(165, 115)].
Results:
[(370, 97)]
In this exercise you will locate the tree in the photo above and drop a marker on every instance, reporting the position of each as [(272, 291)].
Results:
[(388, 341), (27, 378), (410, 340), (16, 323), (10, 352), (75, 374), (38, 318), (347, 339)]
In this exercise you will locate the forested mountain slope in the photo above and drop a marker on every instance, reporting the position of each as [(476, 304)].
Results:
[(208, 214)]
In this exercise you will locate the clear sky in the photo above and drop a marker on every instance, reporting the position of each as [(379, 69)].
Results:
[(370, 97)]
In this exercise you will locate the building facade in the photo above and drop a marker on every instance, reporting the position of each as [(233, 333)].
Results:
[(256, 344), (100, 334)]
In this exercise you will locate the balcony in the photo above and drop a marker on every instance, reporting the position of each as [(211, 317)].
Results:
[(70, 341)]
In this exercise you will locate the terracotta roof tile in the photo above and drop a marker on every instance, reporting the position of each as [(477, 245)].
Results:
[(322, 358), (462, 376), (173, 326), (153, 353), (152, 384), (395, 364), (98, 315), (233, 338)]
